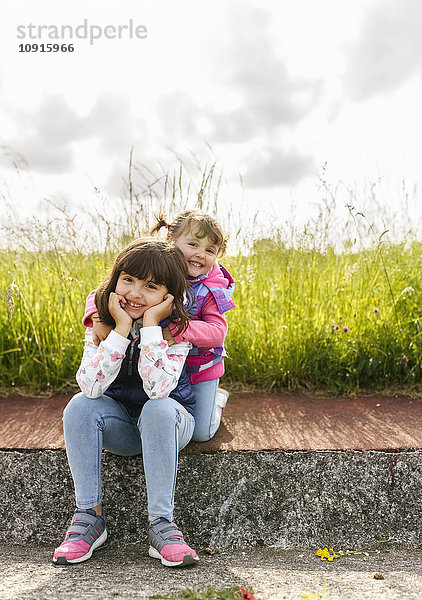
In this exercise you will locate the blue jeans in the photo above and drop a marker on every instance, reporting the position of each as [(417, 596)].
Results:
[(162, 430), (207, 412)]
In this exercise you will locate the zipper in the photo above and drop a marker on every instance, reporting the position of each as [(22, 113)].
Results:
[(132, 349)]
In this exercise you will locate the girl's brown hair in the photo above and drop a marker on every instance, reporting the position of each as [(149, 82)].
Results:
[(198, 224), (148, 259)]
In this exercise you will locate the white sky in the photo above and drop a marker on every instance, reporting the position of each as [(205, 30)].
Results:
[(277, 88)]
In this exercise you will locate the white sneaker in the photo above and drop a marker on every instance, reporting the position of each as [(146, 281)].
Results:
[(221, 397)]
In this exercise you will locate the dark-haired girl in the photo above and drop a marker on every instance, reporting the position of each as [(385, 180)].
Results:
[(135, 398)]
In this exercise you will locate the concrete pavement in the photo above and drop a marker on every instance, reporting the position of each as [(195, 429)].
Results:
[(127, 572)]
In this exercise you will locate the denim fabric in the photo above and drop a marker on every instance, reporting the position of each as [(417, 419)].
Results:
[(207, 411), (163, 428)]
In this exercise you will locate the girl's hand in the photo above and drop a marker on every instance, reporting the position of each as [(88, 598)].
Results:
[(123, 320), (155, 314), (99, 330)]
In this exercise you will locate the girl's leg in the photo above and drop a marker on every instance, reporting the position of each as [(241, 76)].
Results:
[(207, 410), (91, 424), (165, 427)]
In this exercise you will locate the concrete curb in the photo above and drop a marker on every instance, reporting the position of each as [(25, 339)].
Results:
[(279, 499)]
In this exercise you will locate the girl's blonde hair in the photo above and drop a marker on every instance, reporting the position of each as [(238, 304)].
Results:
[(148, 259), (198, 224)]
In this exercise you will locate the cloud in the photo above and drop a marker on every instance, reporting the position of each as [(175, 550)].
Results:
[(114, 124), (49, 133), (44, 137), (269, 97), (42, 156), (54, 122), (273, 167), (255, 100), (247, 68), (116, 183), (388, 50), (178, 113)]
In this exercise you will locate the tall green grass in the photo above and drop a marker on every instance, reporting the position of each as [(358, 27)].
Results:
[(325, 320), (304, 318), (312, 313)]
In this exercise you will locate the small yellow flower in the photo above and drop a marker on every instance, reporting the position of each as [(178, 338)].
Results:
[(327, 554)]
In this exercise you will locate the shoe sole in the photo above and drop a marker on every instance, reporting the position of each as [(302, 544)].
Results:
[(62, 560), (186, 562)]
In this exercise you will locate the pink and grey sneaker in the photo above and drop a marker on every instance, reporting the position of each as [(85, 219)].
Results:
[(86, 533), (167, 543)]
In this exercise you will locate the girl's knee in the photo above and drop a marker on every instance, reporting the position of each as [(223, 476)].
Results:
[(158, 411), (77, 409), (201, 434), (205, 428)]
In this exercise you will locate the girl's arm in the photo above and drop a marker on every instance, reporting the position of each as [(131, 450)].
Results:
[(207, 333), (160, 366), (91, 319), (100, 364), (90, 309)]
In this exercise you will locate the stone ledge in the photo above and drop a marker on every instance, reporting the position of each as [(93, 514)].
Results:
[(284, 499)]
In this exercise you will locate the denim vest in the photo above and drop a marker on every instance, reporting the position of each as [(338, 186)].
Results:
[(127, 388)]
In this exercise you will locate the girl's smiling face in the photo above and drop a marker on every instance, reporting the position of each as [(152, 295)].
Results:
[(200, 253), (140, 294)]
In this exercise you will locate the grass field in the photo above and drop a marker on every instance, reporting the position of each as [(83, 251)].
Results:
[(333, 307), (337, 322), (305, 318)]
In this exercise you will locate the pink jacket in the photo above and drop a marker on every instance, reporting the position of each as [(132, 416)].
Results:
[(207, 330)]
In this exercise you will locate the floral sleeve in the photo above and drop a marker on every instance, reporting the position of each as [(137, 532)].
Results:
[(100, 365), (160, 366)]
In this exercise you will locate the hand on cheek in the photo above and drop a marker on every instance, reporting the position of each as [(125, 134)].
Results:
[(123, 320), (155, 314)]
